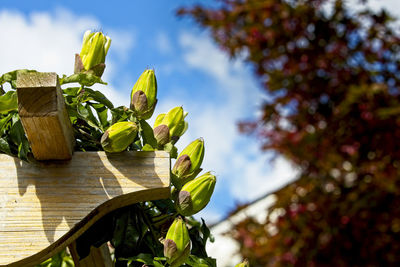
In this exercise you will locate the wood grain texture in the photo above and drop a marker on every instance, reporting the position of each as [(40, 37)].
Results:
[(45, 206), (44, 116)]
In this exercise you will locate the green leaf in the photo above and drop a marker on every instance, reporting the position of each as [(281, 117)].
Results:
[(11, 77), (4, 146), (173, 151), (129, 232), (119, 229), (147, 147), (99, 97), (85, 79), (120, 114), (17, 135), (91, 119), (206, 232), (17, 131), (102, 114), (200, 262), (71, 91), (8, 102), (82, 111), (62, 259), (4, 122), (147, 134), (147, 259), (199, 233)]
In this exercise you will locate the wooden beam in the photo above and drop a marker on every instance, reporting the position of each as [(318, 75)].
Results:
[(45, 120), (44, 207), (44, 117)]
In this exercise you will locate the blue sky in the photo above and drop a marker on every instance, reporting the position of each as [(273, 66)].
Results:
[(191, 71)]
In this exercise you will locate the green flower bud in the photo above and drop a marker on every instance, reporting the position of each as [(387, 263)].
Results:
[(175, 121), (188, 163), (119, 136), (195, 194), (144, 93), (93, 53), (177, 243), (245, 263)]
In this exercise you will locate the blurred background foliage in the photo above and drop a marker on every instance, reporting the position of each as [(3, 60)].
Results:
[(331, 80)]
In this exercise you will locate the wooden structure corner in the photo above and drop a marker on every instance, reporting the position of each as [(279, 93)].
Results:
[(43, 114), (45, 206)]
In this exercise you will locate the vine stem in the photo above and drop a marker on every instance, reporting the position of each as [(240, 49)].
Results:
[(148, 222)]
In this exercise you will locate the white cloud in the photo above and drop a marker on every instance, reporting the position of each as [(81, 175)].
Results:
[(393, 6), (163, 43), (42, 41), (263, 177), (244, 170), (48, 41), (240, 166)]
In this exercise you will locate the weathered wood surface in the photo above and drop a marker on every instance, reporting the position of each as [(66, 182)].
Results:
[(46, 123), (44, 116), (45, 206)]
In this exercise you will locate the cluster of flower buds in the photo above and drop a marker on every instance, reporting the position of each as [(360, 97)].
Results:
[(195, 194), (191, 194), (119, 136), (169, 126), (177, 243), (188, 163), (144, 95), (93, 54)]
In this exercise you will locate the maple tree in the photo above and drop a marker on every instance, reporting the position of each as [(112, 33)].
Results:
[(332, 79)]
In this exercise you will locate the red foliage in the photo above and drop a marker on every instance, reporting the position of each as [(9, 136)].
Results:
[(333, 78)]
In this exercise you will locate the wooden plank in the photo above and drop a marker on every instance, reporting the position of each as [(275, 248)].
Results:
[(46, 123), (98, 257), (45, 206), (44, 116)]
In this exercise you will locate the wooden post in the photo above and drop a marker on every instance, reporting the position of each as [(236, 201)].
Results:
[(43, 114), (46, 206)]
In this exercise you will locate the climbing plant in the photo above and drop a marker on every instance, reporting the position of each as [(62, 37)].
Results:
[(152, 233)]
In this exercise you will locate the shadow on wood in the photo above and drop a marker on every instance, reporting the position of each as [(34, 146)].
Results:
[(45, 206)]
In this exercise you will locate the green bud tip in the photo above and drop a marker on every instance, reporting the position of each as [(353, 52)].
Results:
[(195, 151), (159, 119), (177, 243), (195, 194), (144, 95), (174, 120), (95, 46), (119, 136), (188, 164)]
